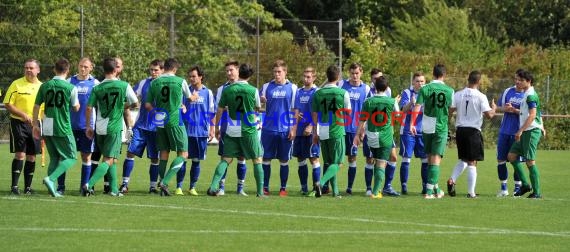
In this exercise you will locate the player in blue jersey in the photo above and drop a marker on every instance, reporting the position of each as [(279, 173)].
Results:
[(84, 82), (302, 146), (412, 144), (197, 122), (144, 134), (358, 91), (509, 103), (232, 75), (277, 134), (387, 190)]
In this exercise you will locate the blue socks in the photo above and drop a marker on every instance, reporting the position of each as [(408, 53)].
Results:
[(424, 174), (180, 175), (240, 172), (153, 172), (351, 174), (127, 169), (404, 169), (194, 173), (266, 175), (284, 174), (303, 175), (390, 169), (85, 173)]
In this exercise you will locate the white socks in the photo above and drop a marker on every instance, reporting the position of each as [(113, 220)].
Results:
[(471, 179), (459, 167)]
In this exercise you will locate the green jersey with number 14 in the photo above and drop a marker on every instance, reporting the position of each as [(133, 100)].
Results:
[(436, 98), (327, 103)]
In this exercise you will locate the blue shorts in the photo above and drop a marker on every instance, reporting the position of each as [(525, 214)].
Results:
[(412, 144), (366, 149), (197, 147), (504, 144), (348, 139), (302, 147), (276, 145), (84, 144), (143, 139)]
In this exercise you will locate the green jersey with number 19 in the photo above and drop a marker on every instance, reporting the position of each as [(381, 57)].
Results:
[(166, 94), (109, 97), (58, 96), (241, 99), (436, 98), (327, 102), (379, 128)]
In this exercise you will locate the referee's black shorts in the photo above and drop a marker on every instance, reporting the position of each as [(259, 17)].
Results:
[(21, 138), (469, 144)]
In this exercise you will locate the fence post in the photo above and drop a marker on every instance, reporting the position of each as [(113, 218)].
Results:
[(340, 44), (171, 47), (547, 88), (81, 28), (257, 53)]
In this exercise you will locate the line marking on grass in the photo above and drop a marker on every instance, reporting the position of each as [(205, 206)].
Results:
[(482, 230), (269, 232)]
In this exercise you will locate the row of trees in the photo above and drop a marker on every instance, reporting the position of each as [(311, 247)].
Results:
[(399, 36)]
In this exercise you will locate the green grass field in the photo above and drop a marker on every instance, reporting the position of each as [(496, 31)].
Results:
[(140, 221)]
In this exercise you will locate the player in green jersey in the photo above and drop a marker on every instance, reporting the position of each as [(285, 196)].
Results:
[(164, 100), (241, 137), (59, 96), (329, 106), (113, 98), (377, 115), (528, 136), (437, 98)]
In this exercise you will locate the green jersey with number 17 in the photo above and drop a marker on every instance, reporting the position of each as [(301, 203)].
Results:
[(109, 97), (241, 99), (166, 94), (436, 98)]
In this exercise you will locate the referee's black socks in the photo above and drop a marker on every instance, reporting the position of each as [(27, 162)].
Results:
[(29, 169), (16, 170)]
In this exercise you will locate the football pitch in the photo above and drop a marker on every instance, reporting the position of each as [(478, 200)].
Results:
[(144, 222)]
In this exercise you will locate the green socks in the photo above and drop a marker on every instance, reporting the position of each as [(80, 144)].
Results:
[(378, 177), (331, 171), (535, 179), (519, 169), (99, 173), (61, 167), (220, 170), (258, 174), (174, 168), (113, 179)]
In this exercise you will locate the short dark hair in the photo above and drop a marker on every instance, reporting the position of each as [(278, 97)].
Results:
[(438, 71), (61, 66), (198, 70), (355, 65), (526, 75), (158, 63), (332, 73), (245, 71), (381, 84), (34, 61), (171, 64), (280, 63), (232, 63), (109, 65), (375, 71), (474, 77)]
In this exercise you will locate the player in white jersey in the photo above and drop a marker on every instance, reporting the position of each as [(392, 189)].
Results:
[(470, 105)]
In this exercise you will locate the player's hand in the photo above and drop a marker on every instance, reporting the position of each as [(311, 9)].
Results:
[(413, 100), (129, 135), (315, 139), (183, 108), (36, 132), (518, 136), (356, 141), (509, 108), (211, 135), (543, 131), (292, 134), (89, 132), (27, 120), (308, 130), (194, 96), (218, 134), (413, 131), (493, 105), (398, 98)]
